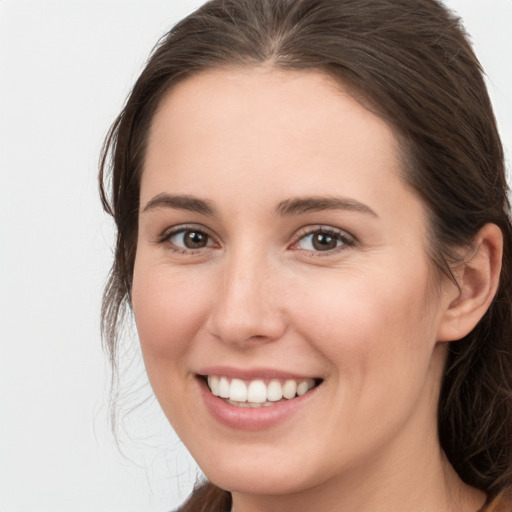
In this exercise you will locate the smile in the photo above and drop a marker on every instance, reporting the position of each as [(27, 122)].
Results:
[(257, 399), (258, 392)]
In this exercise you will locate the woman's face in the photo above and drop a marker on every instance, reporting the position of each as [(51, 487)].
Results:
[(279, 248)]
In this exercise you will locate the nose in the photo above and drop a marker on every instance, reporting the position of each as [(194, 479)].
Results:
[(248, 306)]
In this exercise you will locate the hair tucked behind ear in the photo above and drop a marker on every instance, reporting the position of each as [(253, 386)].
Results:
[(410, 61)]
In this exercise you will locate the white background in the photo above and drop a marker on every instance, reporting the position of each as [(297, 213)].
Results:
[(65, 69)]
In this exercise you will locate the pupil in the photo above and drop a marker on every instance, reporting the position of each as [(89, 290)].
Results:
[(323, 242), (195, 240)]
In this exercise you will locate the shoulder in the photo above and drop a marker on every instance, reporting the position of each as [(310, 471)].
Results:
[(502, 503)]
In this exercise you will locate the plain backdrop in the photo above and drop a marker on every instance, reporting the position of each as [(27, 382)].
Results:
[(65, 69)]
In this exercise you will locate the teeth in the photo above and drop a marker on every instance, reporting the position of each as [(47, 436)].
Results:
[(224, 387), (213, 382), (303, 387), (289, 389), (274, 391), (238, 391), (256, 393)]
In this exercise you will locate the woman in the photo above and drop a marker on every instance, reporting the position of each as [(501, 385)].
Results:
[(314, 237)]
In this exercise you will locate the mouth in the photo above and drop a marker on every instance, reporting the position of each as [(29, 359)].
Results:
[(258, 392)]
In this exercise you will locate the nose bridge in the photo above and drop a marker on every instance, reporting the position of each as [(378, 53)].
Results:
[(247, 305)]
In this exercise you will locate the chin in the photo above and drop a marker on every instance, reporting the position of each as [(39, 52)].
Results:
[(263, 472), (260, 481)]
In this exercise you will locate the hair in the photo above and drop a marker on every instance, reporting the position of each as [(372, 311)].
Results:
[(411, 61)]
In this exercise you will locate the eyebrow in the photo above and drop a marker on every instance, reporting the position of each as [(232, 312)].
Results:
[(301, 205), (294, 206), (181, 202)]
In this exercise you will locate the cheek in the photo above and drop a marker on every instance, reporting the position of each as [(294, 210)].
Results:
[(169, 307), (378, 336), (366, 323)]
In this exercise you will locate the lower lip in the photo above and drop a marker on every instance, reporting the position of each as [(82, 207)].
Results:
[(251, 418)]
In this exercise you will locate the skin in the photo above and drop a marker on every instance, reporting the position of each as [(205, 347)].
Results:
[(368, 317)]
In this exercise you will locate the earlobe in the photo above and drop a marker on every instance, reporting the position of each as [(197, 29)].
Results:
[(478, 280)]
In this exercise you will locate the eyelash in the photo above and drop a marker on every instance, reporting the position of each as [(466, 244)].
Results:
[(344, 239), (165, 238)]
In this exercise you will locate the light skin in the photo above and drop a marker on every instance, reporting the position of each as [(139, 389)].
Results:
[(259, 162)]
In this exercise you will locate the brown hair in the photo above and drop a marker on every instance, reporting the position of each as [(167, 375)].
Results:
[(410, 60)]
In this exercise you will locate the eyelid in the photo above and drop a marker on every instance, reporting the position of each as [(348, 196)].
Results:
[(347, 239), (168, 233)]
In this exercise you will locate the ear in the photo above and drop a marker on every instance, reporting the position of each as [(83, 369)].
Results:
[(478, 279)]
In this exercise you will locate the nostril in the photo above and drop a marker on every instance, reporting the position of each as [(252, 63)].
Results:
[(244, 313)]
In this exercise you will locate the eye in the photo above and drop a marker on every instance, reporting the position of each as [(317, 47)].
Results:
[(188, 239), (323, 240)]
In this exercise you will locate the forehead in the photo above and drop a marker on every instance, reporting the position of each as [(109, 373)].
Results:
[(266, 133), (264, 98)]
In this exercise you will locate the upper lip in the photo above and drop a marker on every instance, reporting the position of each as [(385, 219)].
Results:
[(252, 373)]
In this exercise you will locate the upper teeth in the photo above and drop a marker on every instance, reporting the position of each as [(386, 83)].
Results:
[(257, 391)]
